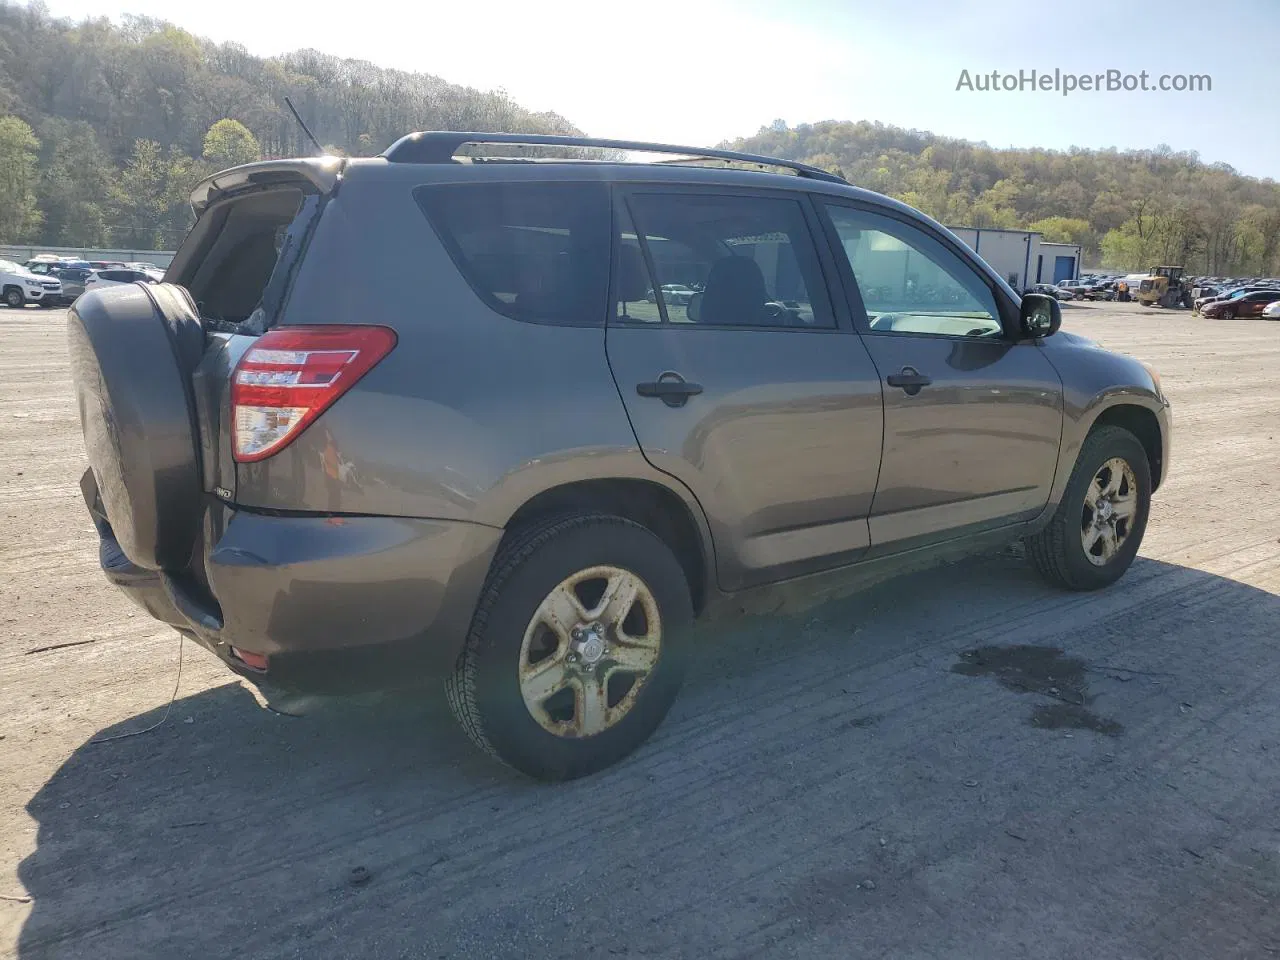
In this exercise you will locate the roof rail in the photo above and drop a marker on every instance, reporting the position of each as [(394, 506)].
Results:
[(436, 146)]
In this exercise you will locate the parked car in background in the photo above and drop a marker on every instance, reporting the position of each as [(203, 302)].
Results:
[(70, 272), (1048, 289), (1233, 293), (1271, 311), (19, 287), (1099, 290), (1248, 305), (150, 269), (73, 281), (673, 293), (111, 278)]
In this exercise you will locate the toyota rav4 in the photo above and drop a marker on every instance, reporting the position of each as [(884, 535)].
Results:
[(503, 453)]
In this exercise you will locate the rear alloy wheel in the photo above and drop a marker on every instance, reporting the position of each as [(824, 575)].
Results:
[(1096, 531), (582, 670), (14, 298), (575, 651)]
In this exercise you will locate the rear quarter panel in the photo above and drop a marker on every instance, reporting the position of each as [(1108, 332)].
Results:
[(471, 414)]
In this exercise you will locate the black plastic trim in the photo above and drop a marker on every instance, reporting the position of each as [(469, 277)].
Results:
[(437, 146)]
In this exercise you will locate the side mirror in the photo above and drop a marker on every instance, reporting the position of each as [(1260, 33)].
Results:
[(1039, 316)]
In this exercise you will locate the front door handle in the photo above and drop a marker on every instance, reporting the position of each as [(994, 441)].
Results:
[(671, 388), (910, 380)]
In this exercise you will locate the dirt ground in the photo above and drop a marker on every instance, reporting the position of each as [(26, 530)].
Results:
[(883, 776)]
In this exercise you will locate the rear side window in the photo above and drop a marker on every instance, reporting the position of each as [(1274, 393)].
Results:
[(532, 251)]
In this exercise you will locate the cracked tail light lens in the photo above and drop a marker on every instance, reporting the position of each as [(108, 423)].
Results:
[(290, 376)]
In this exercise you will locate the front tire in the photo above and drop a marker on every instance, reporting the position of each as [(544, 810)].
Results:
[(13, 298), (575, 652), (1098, 527)]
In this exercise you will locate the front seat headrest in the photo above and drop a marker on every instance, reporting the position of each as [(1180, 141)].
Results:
[(735, 293)]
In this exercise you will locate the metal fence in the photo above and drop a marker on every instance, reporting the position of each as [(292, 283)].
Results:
[(22, 253)]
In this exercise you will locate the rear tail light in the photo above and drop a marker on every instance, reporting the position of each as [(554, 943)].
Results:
[(291, 375)]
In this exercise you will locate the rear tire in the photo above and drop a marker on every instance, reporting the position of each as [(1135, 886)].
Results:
[(490, 690), (1058, 552)]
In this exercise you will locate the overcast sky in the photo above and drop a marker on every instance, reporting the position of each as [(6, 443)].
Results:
[(698, 71)]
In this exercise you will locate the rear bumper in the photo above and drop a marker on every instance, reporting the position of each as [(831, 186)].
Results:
[(334, 603)]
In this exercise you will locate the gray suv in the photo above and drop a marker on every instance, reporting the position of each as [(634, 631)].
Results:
[(521, 473)]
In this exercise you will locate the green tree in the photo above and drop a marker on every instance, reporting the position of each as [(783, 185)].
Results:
[(1124, 248), (181, 176), (74, 168), (138, 197), (19, 152), (230, 143), (1063, 229)]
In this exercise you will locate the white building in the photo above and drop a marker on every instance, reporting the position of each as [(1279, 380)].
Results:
[(1021, 257), (1011, 253), (1056, 262)]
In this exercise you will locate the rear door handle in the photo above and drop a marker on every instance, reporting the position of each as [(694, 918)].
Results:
[(910, 380), (670, 388)]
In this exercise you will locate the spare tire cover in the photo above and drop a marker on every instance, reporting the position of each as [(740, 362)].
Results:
[(133, 349)]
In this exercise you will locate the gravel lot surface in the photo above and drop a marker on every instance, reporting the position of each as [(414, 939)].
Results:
[(959, 763)]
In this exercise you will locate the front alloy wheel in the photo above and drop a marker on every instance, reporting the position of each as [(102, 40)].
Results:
[(1110, 504), (1096, 531)]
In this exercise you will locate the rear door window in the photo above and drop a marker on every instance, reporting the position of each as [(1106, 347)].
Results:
[(532, 251), (735, 260)]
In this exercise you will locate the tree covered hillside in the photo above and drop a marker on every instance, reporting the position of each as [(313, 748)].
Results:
[(1129, 209), (104, 129)]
